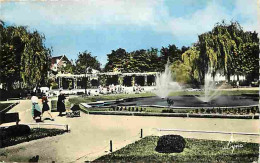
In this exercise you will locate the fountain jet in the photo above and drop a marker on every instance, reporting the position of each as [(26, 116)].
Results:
[(211, 91), (165, 83)]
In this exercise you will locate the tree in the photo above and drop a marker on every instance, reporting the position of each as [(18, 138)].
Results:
[(69, 68), (181, 72), (24, 58), (171, 53), (190, 59), (135, 61), (116, 59), (86, 62), (230, 50)]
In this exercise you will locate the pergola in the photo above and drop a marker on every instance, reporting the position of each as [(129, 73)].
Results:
[(128, 79)]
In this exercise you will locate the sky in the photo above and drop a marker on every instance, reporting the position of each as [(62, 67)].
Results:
[(100, 26)]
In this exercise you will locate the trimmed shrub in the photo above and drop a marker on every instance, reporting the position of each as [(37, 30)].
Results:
[(253, 110), (170, 144), (235, 111), (17, 130), (239, 110)]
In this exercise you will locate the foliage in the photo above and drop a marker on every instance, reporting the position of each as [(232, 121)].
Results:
[(229, 49), (54, 85), (36, 133), (195, 151), (142, 60), (24, 57), (171, 53), (69, 68), (115, 59), (170, 144), (86, 62), (181, 72)]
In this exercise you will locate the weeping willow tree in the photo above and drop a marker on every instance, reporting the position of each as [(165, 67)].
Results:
[(190, 59), (227, 50), (24, 58)]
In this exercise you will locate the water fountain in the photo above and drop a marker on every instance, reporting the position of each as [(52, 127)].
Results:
[(211, 91), (211, 97), (165, 83)]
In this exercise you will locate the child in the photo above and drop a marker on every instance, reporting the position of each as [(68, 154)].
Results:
[(45, 106)]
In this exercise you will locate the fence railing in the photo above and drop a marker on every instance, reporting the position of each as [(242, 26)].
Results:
[(215, 132)]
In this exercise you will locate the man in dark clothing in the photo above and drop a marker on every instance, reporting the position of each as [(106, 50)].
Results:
[(61, 104)]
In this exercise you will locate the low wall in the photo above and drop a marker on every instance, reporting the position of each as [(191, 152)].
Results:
[(187, 115)]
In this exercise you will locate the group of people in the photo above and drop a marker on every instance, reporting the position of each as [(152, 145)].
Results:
[(37, 111), (111, 89), (137, 88)]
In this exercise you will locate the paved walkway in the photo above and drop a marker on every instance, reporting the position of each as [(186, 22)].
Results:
[(90, 134)]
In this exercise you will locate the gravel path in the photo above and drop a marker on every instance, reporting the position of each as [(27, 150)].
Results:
[(90, 134)]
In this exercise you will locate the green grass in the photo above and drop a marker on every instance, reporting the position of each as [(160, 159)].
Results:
[(195, 151), (36, 133), (78, 100)]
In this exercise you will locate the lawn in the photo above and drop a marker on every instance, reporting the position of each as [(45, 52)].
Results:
[(195, 151), (78, 100), (36, 133)]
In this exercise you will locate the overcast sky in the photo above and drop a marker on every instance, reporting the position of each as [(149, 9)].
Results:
[(100, 26)]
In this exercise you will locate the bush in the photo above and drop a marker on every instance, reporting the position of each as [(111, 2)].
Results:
[(253, 110), (239, 111), (54, 85), (17, 130), (113, 108), (170, 144)]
